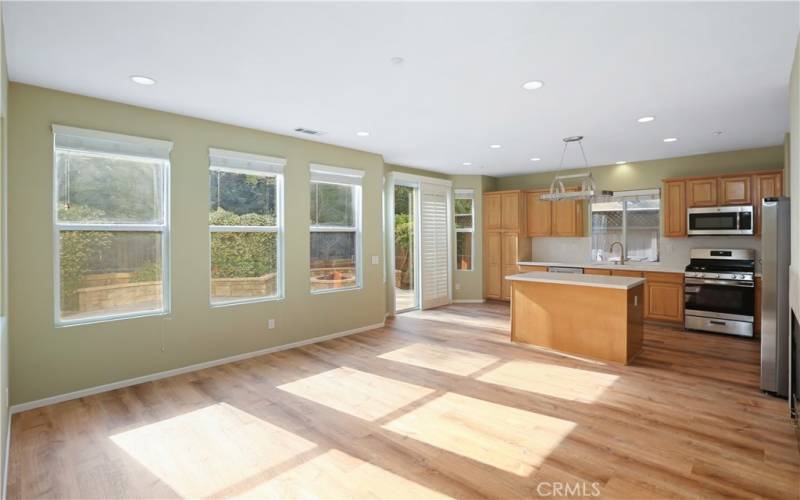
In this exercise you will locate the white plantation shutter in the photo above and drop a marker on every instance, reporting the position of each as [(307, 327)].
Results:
[(435, 247)]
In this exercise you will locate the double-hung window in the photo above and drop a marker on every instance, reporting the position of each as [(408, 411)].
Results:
[(246, 226), (111, 225), (335, 228), (631, 218), (465, 227)]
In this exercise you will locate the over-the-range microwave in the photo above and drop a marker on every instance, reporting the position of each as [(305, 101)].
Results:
[(720, 220)]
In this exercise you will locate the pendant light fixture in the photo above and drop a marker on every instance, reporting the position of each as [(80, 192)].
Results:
[(588, 186)]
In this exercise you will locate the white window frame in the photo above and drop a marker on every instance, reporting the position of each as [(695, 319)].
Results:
[(465, 194), (120, 145), (325, 174), (221, 160)]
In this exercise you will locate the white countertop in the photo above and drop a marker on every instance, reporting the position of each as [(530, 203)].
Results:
[(630, 266), (595, 280)]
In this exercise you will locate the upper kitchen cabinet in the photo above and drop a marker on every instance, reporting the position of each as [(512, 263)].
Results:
[(539, 213), (674, 208), (504, 211), (765, 185), (563, 218), (568, 218), (735, 190), (747, 188), (492, 208), (701, 192), (511, 204)]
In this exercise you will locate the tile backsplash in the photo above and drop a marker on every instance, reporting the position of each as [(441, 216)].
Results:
[(673, 252)]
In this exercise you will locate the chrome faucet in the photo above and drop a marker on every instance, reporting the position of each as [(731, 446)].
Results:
[(621, 252)]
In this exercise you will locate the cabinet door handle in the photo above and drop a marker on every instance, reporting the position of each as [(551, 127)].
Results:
[(715, 322)]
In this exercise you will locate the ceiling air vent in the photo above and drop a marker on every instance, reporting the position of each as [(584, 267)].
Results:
[(308, 131)]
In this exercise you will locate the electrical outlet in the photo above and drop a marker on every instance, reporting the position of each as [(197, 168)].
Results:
[(376, 259), (458, 286), (271, 324)]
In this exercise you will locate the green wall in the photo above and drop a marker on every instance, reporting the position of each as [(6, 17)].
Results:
[(47, 361), (468, 285), (4, 371), (648, 174)]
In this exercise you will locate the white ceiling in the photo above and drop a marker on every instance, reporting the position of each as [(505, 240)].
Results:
[(698, 67)]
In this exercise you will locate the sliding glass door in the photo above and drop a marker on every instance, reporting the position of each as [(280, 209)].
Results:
[(406, 296)]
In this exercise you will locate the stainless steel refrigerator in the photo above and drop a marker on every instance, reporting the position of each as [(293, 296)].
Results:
[(775, 314)]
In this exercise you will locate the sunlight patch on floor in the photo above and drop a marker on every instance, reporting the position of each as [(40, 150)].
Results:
[(547, 379), (510, 439), (210, 449), (360, 394), (335, 474), (441, 358)]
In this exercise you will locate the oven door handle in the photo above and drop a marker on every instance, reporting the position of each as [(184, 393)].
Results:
[(702, 281)]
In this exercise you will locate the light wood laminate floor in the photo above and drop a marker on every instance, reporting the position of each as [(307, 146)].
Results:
[(439, 403)]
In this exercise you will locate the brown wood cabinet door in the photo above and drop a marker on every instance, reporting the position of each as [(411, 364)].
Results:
[(602, 272), (510, 255), (735, 190), (674, 209), (664, 301), (493, 262), (539, 214), (510, 211), (492, 211), (624, 272), (530, 269), (701, 192), (764, 186), (567, 218)]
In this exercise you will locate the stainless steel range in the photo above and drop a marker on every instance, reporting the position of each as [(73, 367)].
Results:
[(719, 291)]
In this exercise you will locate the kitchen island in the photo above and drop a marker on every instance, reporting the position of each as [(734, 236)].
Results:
[(583, 314)]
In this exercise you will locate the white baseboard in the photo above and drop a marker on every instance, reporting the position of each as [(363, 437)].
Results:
[(30, 405), (469, 301)]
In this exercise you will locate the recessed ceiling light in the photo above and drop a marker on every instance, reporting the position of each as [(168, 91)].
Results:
[(495, 146), (362, 134), (397, 60), (623, 162), (645, 119), (670, 139), (717, 132), (142, 80), (535, 159), (533, 85), (467, 163)]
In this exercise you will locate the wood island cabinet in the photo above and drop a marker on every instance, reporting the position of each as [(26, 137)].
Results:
[(505, 240)]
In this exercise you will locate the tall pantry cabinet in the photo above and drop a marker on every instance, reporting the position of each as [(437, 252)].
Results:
[(505, 240)]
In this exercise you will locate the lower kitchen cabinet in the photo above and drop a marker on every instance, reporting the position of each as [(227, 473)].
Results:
[(601, 272), (664, 297)]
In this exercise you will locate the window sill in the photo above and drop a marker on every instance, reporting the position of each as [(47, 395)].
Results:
[(255, 300), (335, 290), (107, 319)]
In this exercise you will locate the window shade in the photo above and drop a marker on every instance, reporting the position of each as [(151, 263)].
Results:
[(336, 175), (234, 161), (110, 143), (435, 248)]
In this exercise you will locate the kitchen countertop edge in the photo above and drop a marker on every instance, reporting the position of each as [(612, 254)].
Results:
[(590, 280)]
